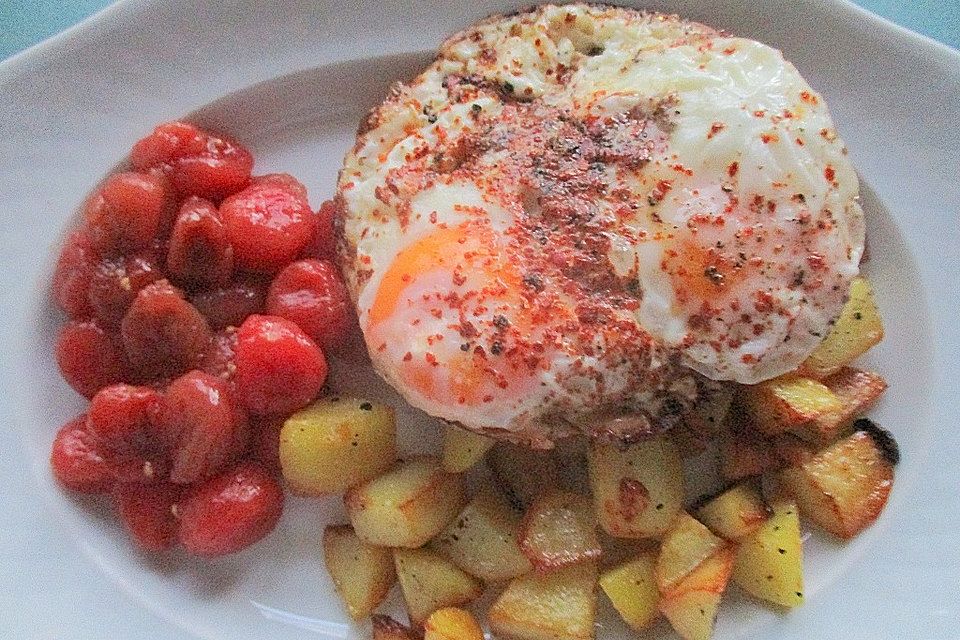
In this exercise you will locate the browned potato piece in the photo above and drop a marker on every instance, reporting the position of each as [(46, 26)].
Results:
[(452, 624), (744, 455), (735, 513), (386, 628), (687, 545), (482, 540), (558, 530), (560, 605), (406, 506), (336, 443), (462, 449), (857, 390), (632, 589), (769, 562), (844, 487), (638, 491), (788, 402), (430, 582), (691, 607), (858, 328), (362, 574), (701, 426), (523, 474)]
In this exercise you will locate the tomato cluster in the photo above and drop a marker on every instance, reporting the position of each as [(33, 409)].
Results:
[(201, 301)]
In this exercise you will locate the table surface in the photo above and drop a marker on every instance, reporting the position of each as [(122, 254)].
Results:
[(26, 22)]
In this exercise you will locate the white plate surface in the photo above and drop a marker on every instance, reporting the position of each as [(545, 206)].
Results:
[(291, 79)]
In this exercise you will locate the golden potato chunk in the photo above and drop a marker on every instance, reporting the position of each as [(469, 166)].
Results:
[(843, 488), (431, 582), (452, 624), (482, 540), (788, 402), (523, 474), (386, 628), (406, 506), (336, 443), (691, 607), (637, 492), (686, 546), (462, 449), (560, 605), (559, 529), (858, 328), (857, 391), (632, 589), (769, 562), (362, 574), (735, 513)]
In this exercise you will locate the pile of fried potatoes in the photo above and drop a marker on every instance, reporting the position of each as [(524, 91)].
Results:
[(543, 530)]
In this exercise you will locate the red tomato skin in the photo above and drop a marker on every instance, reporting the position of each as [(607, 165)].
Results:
[(323, 243), (89, 358), (116, 282), (121, 418), (229, 306), (162, 333), (199, 252), (265, 443), (231, 511), (127, 212), (202, 425), (146, 511), (278, 368), (73, 274), (312, 294), (268, 224), (78, 460)]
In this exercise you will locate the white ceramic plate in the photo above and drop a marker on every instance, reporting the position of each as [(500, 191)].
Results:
[(291, 79)]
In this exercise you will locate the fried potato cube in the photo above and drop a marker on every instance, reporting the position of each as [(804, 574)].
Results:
[(787, 402), (691, 607), (735, 513), (362, 574), (452, 624), (462, 449), (857, 390), (406, 506), (430, 582), (686, 546), (523, 474), (386, 628), (745, 455), (482, 540), (638, 491), (559, 529), (632, 589), (336, 443), (843, 488), (858, 328), (559, 605), (769, 562)]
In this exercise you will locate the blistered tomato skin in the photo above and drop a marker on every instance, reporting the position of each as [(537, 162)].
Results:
[(323, 244), (229, 306), (147, 513), (312, 294), (121, 417), (116, 282), (73, 274), (196, 162), (127, 212), (278, 368), (89, 358), (220, 358), (231, 511), (199, 251), (78, 460), (162, 333), (202, 425), (269, 223)]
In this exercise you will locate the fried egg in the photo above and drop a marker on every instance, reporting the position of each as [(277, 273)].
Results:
[(583, 218)]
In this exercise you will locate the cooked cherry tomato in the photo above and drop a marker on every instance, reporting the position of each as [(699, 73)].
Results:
[(229, 306), (221, 356), (78, 460), (127, 212), (265, 444), (162, 333), (197, 163), (311, 294), (89, 358), (147, 513), (278, 368), (268, 224), (116, 282), (200, 253), (72, 276), (202, 425), (231, 511), (323, 244), (121, 418)]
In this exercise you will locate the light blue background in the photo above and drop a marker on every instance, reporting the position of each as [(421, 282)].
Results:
[(26, 22)]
